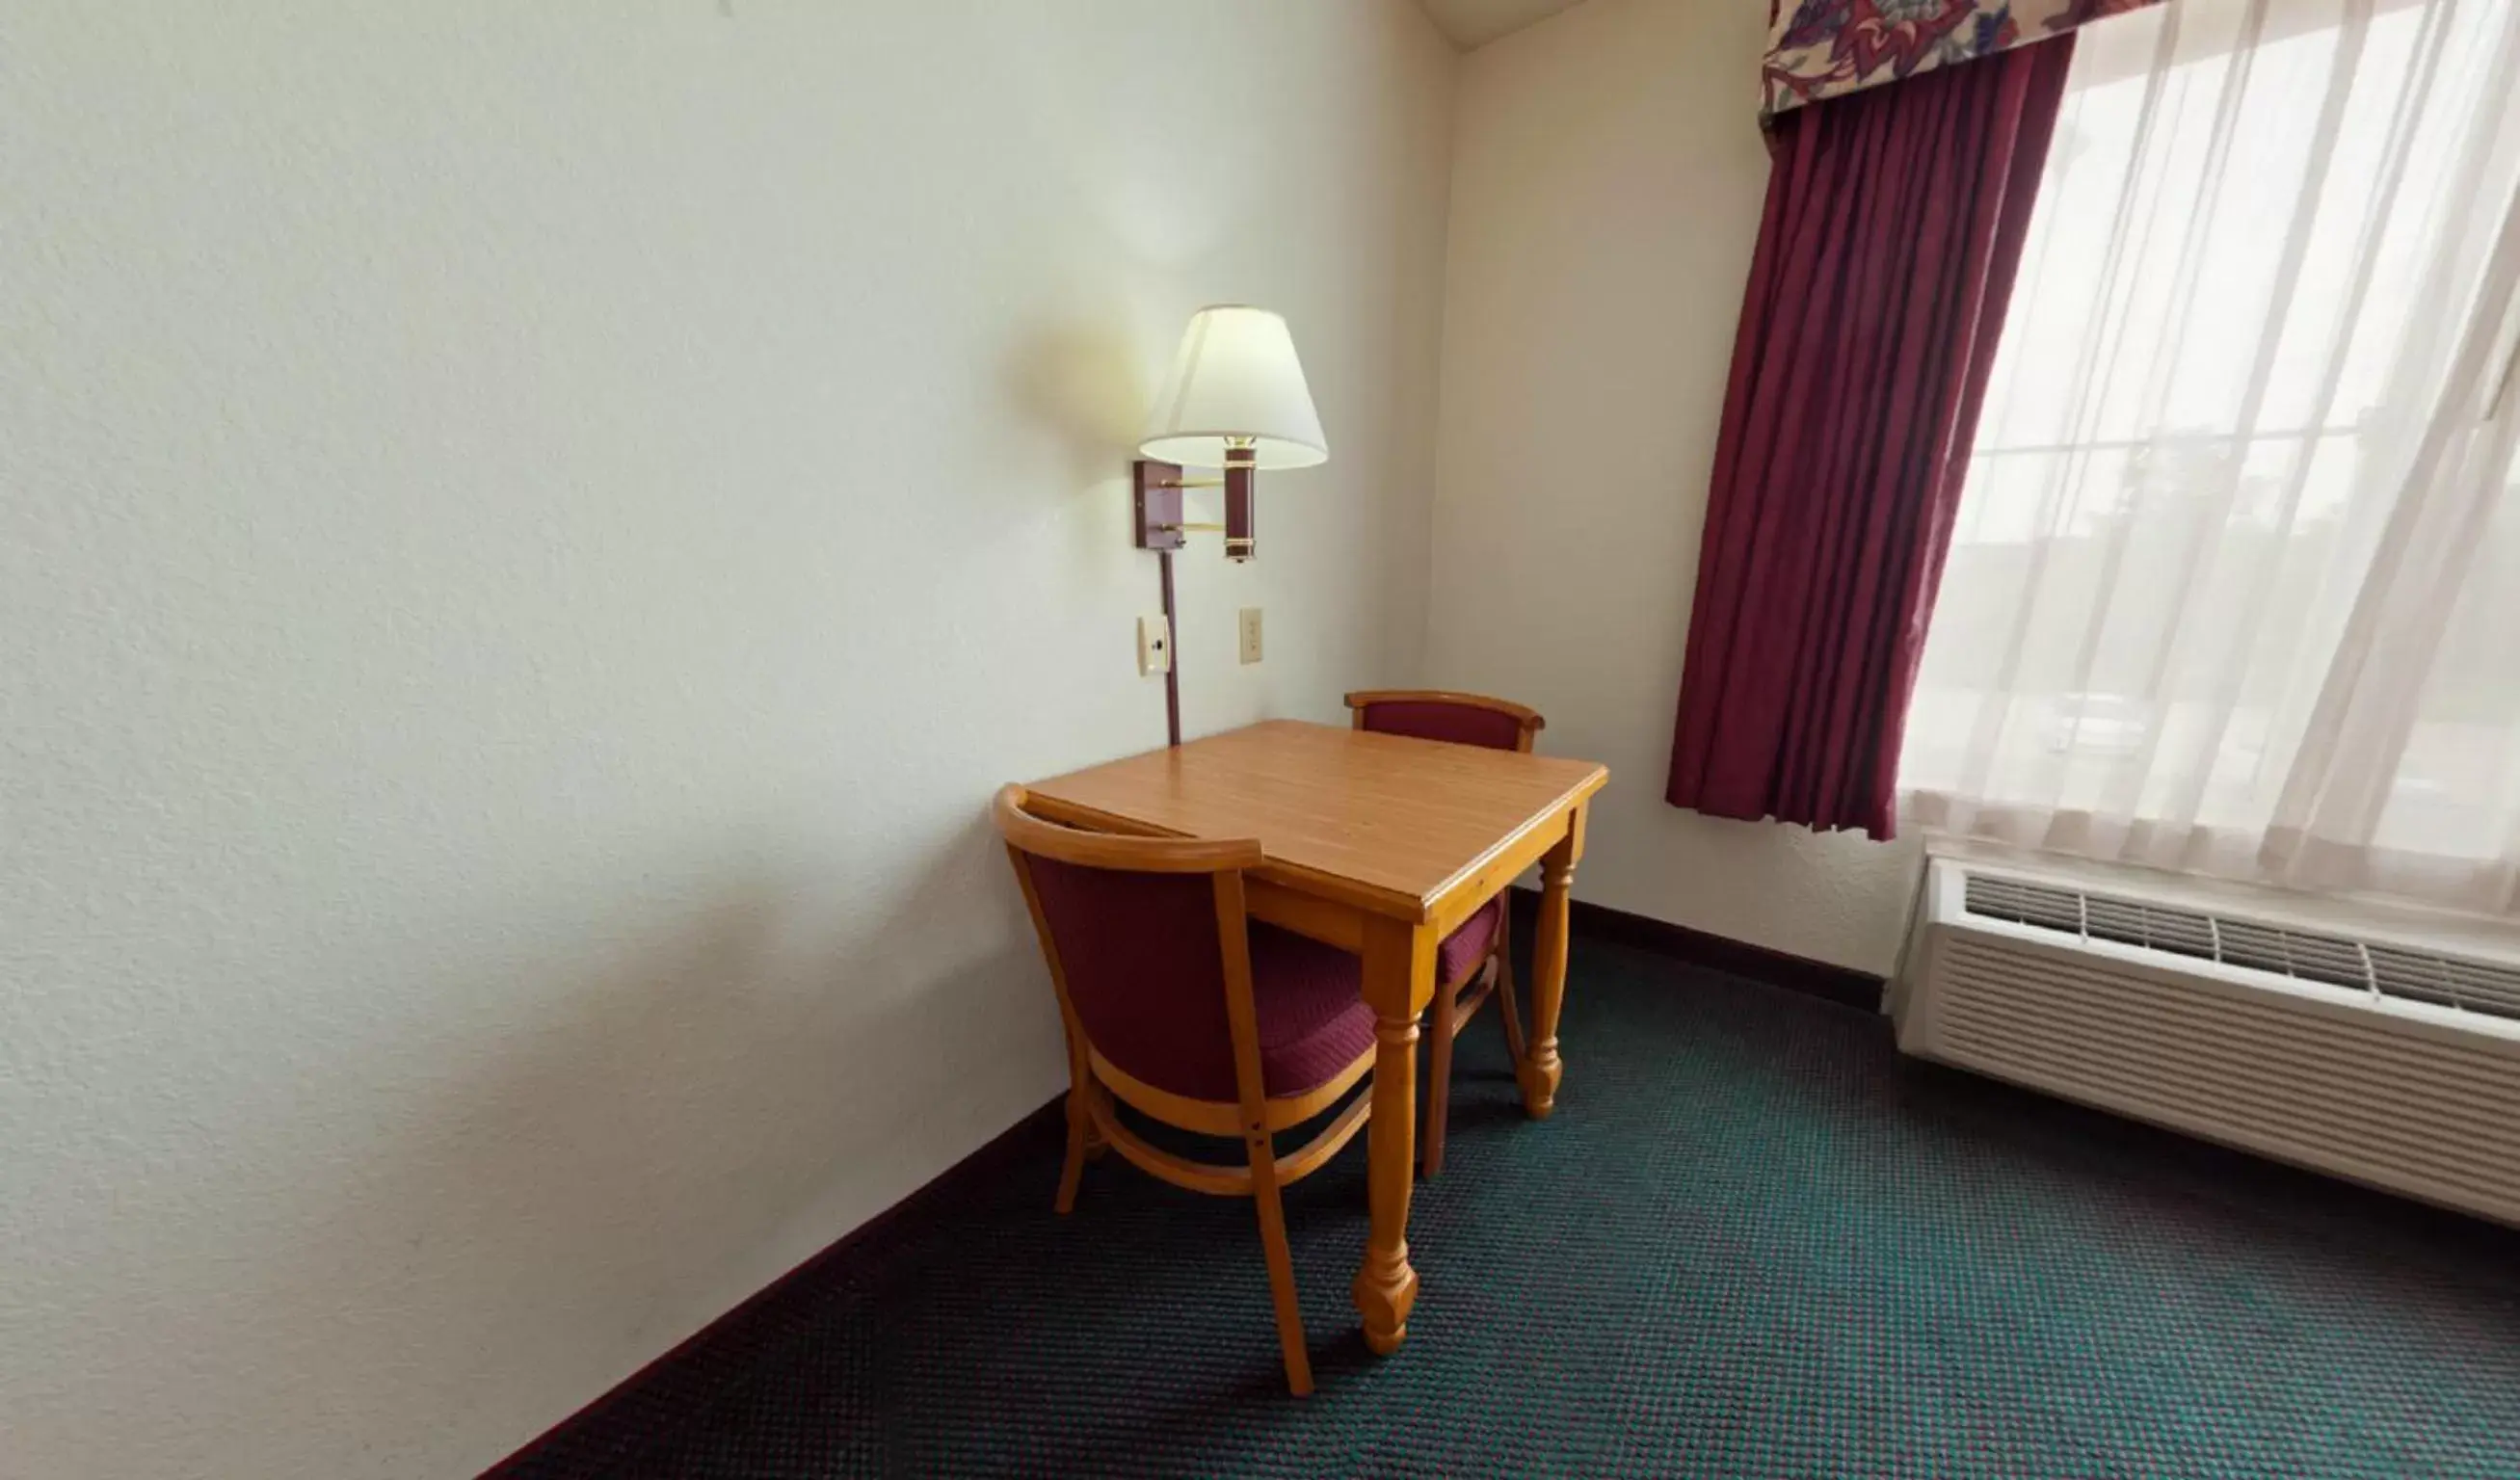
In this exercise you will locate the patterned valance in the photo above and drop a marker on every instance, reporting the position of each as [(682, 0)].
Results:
[(1821, 48)]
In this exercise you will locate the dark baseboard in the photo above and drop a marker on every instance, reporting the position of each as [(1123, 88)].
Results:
[(1844, 985), (1002, 1148)]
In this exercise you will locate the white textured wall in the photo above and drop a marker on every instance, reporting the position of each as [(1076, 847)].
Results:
[(1607, 172), (530, 533)]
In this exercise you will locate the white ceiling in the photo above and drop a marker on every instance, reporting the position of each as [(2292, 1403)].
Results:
[(1469, 23)]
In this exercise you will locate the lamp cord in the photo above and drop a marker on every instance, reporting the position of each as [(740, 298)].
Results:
[(1172, 668)]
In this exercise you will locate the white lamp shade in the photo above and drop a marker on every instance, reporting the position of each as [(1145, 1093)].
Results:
[(1235, 375)]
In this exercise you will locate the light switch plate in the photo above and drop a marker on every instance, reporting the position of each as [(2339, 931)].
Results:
[(1250, 629), (1154, 645)]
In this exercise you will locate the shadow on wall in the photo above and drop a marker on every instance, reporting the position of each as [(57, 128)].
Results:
[(739, 1088), (1084, 384)]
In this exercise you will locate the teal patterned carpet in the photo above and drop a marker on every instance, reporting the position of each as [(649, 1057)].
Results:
[(1753, 1242)]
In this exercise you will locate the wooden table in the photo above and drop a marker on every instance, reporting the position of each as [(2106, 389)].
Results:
[(1381, 846)]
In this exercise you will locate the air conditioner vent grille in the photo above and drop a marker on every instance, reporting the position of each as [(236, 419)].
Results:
[(2024, 903), (2386, 971), (2154, 927)]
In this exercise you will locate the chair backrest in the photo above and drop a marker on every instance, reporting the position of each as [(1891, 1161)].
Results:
[(1465, 719), (1146, 940)]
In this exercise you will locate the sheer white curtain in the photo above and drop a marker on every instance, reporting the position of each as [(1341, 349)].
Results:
[(2235, 582)]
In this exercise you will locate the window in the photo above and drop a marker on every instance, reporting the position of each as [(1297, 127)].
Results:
[(2235, 581)]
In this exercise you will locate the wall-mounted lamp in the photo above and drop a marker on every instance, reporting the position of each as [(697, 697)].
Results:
[(1236, 401)]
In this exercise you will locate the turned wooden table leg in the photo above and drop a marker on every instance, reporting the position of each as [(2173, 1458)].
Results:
[(1399, 978), (1541, 1069)]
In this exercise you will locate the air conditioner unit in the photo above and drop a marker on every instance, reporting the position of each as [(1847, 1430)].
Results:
[(2386, 1061)]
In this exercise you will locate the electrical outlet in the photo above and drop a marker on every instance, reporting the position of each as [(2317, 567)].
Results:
[(1251, 634), (1154, 646)]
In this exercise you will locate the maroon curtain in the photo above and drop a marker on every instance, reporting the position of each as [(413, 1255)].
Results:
[(1894, 223)]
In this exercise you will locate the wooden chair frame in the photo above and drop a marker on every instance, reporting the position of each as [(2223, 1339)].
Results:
[(1492, 973), (1094, 1082)]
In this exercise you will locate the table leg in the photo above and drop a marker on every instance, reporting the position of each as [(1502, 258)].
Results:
[(1399, 978), (1541, 1069)]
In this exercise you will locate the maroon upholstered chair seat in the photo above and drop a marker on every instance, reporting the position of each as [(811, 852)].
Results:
[(1461, 724), (1309, 1000), (1469, 944), (1144, 974)]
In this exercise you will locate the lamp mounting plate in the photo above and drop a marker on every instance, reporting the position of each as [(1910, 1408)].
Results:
[(1158, 504)]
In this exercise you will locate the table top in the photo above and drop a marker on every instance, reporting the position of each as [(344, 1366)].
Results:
[(1396, 819)]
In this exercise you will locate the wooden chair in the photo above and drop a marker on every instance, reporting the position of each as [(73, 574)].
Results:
[(1480, 949), (1178, 1004)]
